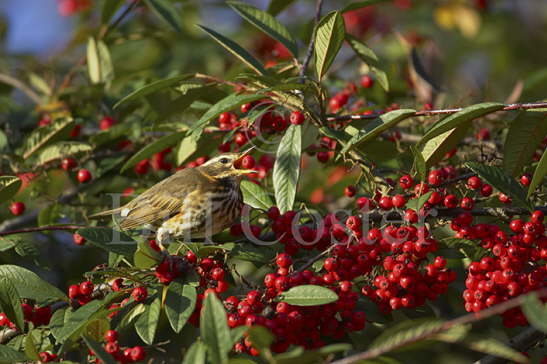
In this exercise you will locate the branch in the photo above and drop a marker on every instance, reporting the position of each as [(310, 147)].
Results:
[(508, 107), (463, 320), (522, 342), (309, 52), (7, 79), (43, 228)]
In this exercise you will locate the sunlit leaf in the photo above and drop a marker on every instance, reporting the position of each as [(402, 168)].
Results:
[(329, 37), (180, 302), (214, 329), (287, 168), (309, 295), (539, 174), (255, 196), (99, 64), (147, 323)]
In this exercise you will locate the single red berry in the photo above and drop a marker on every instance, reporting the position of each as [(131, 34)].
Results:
[(297, 118), (111, 336), (86, 288), (217, 274), (367, 81), (139, 294), (435, 177), (364, 203), (323, 157), (78, 239), (516, 225), (398, 201), (17, 208), (283, 260), (406, 182), (225, 118), (474, 183), (467, 203), (44, 121), (142, 167), (74, 291), (350, 191), (245, 107), (525, 180), (106, 123), (191, 257), (83, 175), (112, 347), (273, 213), (537, 217), (504, 198), (486, 190), (248, 162), (483, 134), (68, 164), (240, 139), (450, 201), (138, 353)]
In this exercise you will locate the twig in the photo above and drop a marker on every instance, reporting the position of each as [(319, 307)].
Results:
[(509, 107), (309, 52), (7, 79), (522, 342), (463, 320), (36, 229)]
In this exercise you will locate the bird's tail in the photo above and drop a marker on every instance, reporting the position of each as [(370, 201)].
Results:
[(105, 213)]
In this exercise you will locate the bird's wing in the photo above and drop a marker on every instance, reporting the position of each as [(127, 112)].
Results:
[(161, 201)]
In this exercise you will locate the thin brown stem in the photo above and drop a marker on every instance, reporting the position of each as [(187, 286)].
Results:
[(36, 229), (311, 46)]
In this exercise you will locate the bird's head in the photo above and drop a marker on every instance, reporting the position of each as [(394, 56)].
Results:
[(226, 165)]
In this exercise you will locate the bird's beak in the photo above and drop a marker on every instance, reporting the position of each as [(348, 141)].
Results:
[(240, 157)]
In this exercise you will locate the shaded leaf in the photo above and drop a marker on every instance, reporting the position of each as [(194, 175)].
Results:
[(252, 253), (404, 332), (497, 177), (29, 285), (9, 186), (152, 87), (452, 121), (493, 347), (436, 148), (535, 311), (30, 347), (470, 249), (147, 323), (261, 337), (97, 328), (277, 6), (180, 302), (10, 302), (539, 174), (196, 354), (98, 349), (61, 150), (110, 240), (99, 64), (109, 9), (153, 148), (329, 37), (166, 11), (267, 23), (255, 196), (368, 56), (287, 168), (524, 136), (45, 135), (185, 149), (76, 321), (308, 295), (214, 329), (9, 355), (419, 163), (236, 50)]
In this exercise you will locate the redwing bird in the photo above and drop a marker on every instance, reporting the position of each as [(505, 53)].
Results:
[(194, 202)]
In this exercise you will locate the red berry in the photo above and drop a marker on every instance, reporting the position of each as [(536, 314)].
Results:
[(86, 288), (106, 123), (483, 134), (273, 213), (323, 157), (385, 203), (44, 121), (525, 180), (142, 167), (68, 163), (83, 175), (217, 274), (112, 347), (435, 177), (225, 118), (516, 225), (138, 353), (537, 217), (364, 203), (248, 162), (139, 294), (297, 118), (398, 201), (350, 191), (406, 182), (486, 190), (474, 183), (467, 203), (111, 336), (74, 291), (283, 260), (17, 208), (450, 201), (191, 257), (367, 81), (504, 198), (78, 239), (240, 139)]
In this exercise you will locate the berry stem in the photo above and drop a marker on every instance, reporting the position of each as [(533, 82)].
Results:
[(311, 46), (43, 228)]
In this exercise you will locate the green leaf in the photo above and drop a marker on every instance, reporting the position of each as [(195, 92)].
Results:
[(153, 148), (539, 174), (152, 88), (214, 329), (226, 104), (361, 4), (29, 285), (493, 347), (129, 315), (368, 56), (329, 37), (110, 7), (467, 114), (261, 337), (98, 349), (196, 354), (3, 141), (255, 196), (334, 348), (39, 83), (252, 253), (277, 6), (309, 295), (469, 248), (167, 12), (237, 333), (147, 323), (97, 328), (436, 148), (30, 347), (146, 257), (535, 311), (417, 203), (186, 148), (45, 135), (236, 50), (524, 136), (76, 321), (110, 240), (287, 168), (99, 64), (62, 150), (404, 332), (502, 181), (9, 186), (378, 126), (419, 163), (179, 304), (10, 302), (9, 355), (267, 23)]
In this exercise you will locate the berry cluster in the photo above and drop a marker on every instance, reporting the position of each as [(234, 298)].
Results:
[(81, 292), (515, 265), (38, 316), (122, 355)]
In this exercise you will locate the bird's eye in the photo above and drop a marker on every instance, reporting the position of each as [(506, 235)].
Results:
[(224, 160)]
